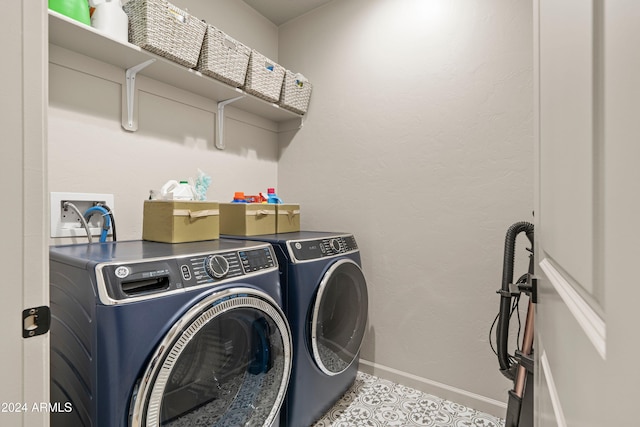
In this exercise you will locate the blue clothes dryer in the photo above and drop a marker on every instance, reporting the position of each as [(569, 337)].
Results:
[(150, 334), (326, 303)]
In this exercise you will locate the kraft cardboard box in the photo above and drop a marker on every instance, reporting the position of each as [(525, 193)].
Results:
[(288, 218), (247, 219), (177, 221)]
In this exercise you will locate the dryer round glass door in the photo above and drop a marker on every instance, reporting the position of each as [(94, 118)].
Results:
[(339, 317), (226, 362)]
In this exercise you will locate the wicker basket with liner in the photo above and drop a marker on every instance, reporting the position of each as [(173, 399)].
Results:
[(296, 93), (160, 27), (223, 58), (264, 77)]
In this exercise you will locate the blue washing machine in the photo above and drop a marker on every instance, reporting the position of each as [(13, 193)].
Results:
[(326, 303), (150, 334)]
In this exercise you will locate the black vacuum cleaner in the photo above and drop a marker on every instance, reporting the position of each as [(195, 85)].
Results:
[(519, 366)]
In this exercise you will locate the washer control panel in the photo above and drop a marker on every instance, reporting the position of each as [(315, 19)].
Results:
[(305, 250), (164, 270), (209, 268), (256, 260)]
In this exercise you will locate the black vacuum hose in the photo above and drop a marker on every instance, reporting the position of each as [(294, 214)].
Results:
[(505, 299)]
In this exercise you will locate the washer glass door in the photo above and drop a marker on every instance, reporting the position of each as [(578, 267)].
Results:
[(225, 363), (339, 317)]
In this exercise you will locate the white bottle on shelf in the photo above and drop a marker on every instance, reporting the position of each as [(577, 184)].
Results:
[(109, 18)]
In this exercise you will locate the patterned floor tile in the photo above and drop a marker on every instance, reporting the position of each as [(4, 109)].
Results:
[(375, 402)]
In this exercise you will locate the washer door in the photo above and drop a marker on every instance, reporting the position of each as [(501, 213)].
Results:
[(339, 317), (226, 362)]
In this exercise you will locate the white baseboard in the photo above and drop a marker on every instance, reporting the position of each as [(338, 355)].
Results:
[(472, 400)]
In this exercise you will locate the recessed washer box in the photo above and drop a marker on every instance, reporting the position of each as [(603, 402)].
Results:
[(65, 222)]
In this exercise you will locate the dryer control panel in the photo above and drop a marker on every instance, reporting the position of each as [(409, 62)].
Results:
[(306, 250)]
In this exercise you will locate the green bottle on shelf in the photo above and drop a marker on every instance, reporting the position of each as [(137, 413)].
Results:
[(74, 9)]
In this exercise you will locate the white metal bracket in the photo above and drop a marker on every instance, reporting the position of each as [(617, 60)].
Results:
[(220, 121), (130, 79)]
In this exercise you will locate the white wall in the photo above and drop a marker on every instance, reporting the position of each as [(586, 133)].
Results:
[(90, 152), (419, 140)]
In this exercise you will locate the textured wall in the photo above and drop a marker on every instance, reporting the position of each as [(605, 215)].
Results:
[(419, 141)]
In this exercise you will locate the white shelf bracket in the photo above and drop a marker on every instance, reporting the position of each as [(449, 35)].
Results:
[(220, 121), (130, 80)]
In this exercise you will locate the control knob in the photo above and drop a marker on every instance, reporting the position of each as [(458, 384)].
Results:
[(335, 245), (216, 266)]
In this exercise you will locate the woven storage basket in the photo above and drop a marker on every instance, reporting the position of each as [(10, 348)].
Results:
[(264, 77), (296, 93), (161, 28), (223, 57)]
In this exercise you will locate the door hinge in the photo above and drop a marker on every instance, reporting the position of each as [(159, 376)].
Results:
[(35, 321)]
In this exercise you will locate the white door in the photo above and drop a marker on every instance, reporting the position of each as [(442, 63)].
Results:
[(24, 363), (587, 79)]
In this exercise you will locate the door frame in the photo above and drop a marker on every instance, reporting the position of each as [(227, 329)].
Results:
[(24, 361)]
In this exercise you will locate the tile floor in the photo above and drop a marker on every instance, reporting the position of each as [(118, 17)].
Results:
[(373, 402)]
